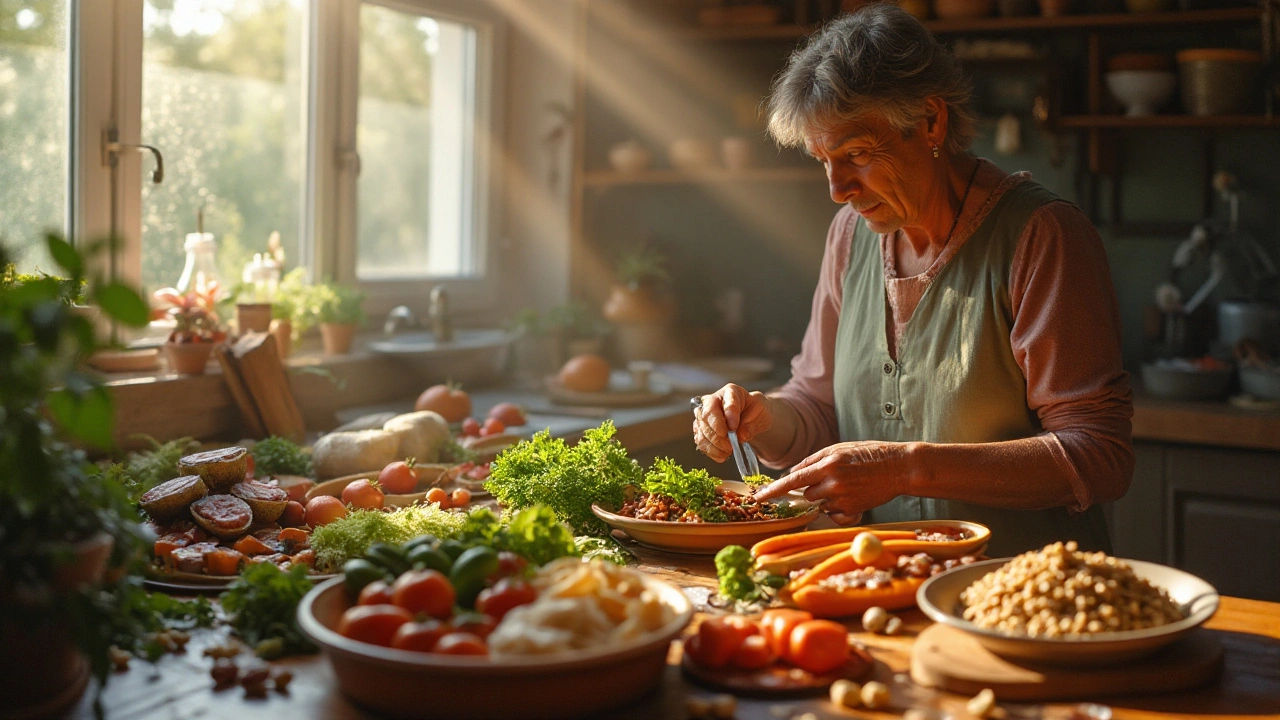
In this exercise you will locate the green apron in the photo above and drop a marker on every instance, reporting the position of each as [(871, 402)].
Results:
[(955, 379)]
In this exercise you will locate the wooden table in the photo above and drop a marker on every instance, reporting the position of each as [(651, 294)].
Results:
[(180, 687)]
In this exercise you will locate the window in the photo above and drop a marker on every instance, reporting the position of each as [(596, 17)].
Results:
[(35, 132)]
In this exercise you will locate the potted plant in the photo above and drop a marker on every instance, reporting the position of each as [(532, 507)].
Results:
[(579, 328), (339, 311), (196, 329), (639, 308), (59, 521), (290, 310)]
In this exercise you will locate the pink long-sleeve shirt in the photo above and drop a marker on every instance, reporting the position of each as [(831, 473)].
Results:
[(1065, 337)]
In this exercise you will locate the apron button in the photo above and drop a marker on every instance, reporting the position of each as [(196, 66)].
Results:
[(888, 368), (888, 408)]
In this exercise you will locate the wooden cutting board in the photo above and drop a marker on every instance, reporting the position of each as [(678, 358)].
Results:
[(949, 659)]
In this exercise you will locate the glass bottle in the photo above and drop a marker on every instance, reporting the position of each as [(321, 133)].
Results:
[(201, 268)]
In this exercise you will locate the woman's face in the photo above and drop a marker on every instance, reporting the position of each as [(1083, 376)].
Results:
[(883, 176)]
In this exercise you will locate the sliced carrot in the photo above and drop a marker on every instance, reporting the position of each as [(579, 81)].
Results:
[(784, 563), (841, 562), (829, 602), (250, 545), (168, 543), (305, 557), (779, 544), (223, 561), (297, 536)]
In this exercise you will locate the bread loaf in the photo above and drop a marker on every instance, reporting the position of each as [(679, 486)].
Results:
[(348, 453)]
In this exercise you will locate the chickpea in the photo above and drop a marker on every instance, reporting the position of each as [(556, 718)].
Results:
[(875, 618), (876, 695), (724, 706), (893, 625), (982, 704), (846, 693), (866, 548)]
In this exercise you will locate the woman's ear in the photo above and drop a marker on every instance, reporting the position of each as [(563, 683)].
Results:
[(935, 121)]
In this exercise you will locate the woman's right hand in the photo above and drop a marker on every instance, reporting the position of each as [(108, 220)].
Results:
[(729, 408)]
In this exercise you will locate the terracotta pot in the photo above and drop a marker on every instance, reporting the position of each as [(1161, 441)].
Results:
[(253, 317), (583, 346), (188, 358), (638, 304), (337, 338), (283, 332)]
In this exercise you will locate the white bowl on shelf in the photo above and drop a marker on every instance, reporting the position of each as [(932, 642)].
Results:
[(1142, 92)]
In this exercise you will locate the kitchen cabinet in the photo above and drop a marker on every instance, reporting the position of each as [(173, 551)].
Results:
[(1214, 512)]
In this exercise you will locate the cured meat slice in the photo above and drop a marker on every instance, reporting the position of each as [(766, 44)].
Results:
[(266, 501), (226, 516), (169, 500), (220, 468)]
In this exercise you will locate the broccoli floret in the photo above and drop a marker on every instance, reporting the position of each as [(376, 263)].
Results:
[(734, 569)]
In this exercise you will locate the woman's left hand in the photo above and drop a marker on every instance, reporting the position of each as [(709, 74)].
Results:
[(851, 477)]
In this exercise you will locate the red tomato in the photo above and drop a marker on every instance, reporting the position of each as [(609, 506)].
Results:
[(776, 626), (440, 497), (510, 564), (424, 591), (717, 642), (373, 624), (819, 646), (451, 403), (474, 623), (419, 636), (754, 653), (324, 509), (294, 514), (363, 495), (508, 593), (460, 498), (377, 592), (492, 426), (470, 428), (508, 414), (461, 643), (399, 478)]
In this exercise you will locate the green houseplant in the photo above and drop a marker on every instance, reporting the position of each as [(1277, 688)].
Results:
[(639, 307), (339, 310), (61, 523)]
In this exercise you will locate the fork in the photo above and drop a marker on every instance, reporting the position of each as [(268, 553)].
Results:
[(743, 454)]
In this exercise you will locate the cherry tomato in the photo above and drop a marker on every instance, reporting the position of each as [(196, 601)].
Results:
[(377, 592), (399, 478), (508, 414), (424, 591), (419, 636), (492, 426), (248, 473), (717, 642), (324, 509), (754, 653), (449, 401), (439, 497), (363, 495), (819, 646), (461, 643), (776, 626), (460, 498), (510, 564), (474, 623), (508, 593), (373, 624), (294, 514), (470, 428)]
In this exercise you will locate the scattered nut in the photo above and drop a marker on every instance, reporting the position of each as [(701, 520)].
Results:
[(846, 693), (224, 672), (226, 650), (165, 641), (254, 681), (893, 625), (282, 678), (119, 658), (982, 704), (180, 638), (724, 707), (697, 707), (875, 618), (876, 695), (865, 548)]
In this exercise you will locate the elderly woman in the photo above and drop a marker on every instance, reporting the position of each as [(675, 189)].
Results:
[(962, 359)]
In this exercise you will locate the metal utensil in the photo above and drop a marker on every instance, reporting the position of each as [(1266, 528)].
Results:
[(743, 454)]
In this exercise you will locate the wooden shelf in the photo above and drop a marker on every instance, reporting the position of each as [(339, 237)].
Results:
[(1121, 122), (1027, 23), (610, 178)]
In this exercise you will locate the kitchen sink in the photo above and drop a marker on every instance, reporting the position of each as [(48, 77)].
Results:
[(471, 358)]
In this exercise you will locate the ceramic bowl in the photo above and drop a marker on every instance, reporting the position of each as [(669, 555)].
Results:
[(1142, 92), (939, 598), (1179, 384), (706, 538), (404, 684)]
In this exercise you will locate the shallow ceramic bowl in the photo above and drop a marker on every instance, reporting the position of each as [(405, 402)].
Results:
[(946, 551), (1142, 92), (1178, 384), (429, 476), (707, 538), (939, 598), (400, 683)]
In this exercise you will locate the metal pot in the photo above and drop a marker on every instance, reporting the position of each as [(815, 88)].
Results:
[(1259, 321)]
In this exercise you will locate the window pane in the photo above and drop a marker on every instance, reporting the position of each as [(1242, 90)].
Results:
[(416, 136), (224, 100), (35, 121)]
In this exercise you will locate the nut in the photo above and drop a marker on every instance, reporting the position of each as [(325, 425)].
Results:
[(282, 678), (119, 658), (846, 693), (226, 650), (724, 706), (866, 548), (180, 638), (697, 707), (254, 681), (893, 625), (224, 672), (876, 695), (875, 618), (982, 704)]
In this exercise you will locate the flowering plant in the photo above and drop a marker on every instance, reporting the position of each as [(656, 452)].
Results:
[(194, 314)]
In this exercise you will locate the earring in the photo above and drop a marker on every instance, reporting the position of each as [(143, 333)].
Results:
[(935, 151)]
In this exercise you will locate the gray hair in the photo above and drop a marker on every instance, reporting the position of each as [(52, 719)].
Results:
[(878, 59)]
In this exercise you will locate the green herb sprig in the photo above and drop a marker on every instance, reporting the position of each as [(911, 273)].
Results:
[(694, 489), (280, 456), (262, 606)]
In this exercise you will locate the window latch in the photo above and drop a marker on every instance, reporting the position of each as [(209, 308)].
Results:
[(112, 147)]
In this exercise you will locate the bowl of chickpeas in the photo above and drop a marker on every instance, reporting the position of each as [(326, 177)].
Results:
[(1059, 605)]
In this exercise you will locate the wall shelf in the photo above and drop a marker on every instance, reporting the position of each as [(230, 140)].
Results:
[(611, 178), (1121, 122)]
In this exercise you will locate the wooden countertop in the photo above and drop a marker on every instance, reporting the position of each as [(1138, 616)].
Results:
[(1204, 423), (180, 686)]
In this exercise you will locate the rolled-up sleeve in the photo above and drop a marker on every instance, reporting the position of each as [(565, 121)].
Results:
[(1066, 338)]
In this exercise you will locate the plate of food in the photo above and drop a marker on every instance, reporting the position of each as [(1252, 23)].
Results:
[(681, 521), (1119, 610)]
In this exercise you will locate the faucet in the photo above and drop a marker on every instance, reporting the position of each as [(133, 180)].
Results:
[(438, 312), (399, 317)]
